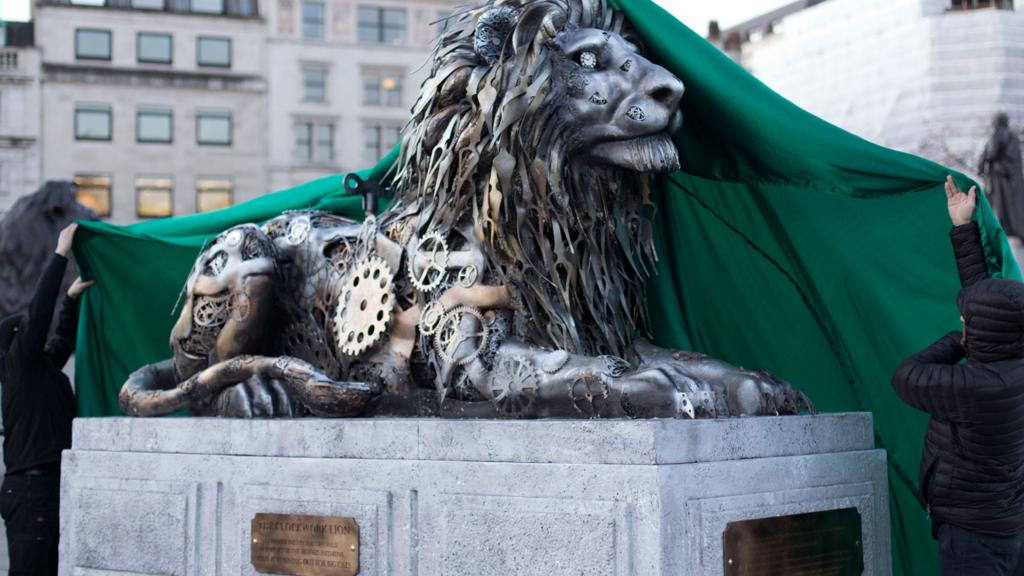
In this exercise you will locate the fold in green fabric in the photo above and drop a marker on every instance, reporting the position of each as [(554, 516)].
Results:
[(784, 242)]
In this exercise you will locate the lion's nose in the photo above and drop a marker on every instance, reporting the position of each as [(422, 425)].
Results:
[(664, 88)]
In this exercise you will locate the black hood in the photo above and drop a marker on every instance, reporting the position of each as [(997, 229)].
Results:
[(7, 331), (993, 310)]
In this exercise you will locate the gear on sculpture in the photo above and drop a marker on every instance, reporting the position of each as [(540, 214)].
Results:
[(434, 248), (514, 384), (365, 306), (451, 335)]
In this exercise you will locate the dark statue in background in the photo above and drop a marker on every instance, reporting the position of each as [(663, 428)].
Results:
[(507, 278), (28, 234), (1001, 165)]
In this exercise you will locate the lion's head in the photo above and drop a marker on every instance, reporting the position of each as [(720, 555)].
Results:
[(537, 126)]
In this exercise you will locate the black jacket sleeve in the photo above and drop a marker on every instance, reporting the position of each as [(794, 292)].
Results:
[(40, 310), (933, 381), (970, 256), (62, 345)]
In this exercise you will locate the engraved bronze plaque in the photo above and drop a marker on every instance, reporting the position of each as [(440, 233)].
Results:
[(305, 545), (819, 543)]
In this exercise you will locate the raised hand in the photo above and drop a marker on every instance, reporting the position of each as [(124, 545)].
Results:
[(67, 236), (961, 206)]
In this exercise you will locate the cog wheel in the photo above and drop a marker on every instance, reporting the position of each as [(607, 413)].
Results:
[(514, 384), (430, 318), (467, 276), (298, 230), (450, 335), (211, 311), (365, 306), (434, 247)]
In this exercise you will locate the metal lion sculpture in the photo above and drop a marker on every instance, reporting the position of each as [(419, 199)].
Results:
[(505, 281)]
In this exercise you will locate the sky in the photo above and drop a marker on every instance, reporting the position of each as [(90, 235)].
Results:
[(694, 13)]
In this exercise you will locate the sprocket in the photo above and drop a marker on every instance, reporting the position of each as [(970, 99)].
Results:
[(429, 277), (514, 384), (449, 335), (365, 306)]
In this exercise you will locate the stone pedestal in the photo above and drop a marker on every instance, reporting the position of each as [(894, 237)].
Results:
[(434, 497)]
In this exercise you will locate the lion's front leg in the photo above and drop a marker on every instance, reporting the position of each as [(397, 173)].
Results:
[(745, 392)]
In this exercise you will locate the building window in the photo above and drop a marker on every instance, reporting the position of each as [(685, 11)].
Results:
[(212, 51), (154, 196), (92, 44), (93, 192), (314, 84), (313, 20), (89, 2), (379, 140), (381, 88), (148, 4), (153, 47), (213, 193), (314, 142), (93, 122), (381, 25), (213, 127), (208, 6), (154, 124)]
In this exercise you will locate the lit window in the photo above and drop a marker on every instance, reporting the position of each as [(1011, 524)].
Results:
[(313, 20), (154, 124), (213, 51), (213, 127), (93, 192), (213, 193), (148, 4), (379, 140), (152, 47), (381, 25), (314, 142), (92, 44), (154, 196), (314, 83), (208, 6), (93, 122), (382, 88)]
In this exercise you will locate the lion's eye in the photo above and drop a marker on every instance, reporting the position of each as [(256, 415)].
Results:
[(587, 59)]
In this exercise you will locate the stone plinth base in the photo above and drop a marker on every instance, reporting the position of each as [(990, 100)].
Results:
[(434, 497)]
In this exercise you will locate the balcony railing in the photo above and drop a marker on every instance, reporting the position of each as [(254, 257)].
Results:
[(237, 8), (8, 60), (961, 5)]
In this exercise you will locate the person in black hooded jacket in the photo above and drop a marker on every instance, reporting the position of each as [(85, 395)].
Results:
[(972, 471), (38, 407)]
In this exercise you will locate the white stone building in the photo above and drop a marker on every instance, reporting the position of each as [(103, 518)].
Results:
[(154, 107), (343, 77), (924, 76), (19, 113)]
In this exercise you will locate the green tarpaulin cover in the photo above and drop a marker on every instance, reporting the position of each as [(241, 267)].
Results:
[(784, 243)]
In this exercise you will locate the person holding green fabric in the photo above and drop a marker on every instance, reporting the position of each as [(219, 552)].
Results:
[(972, 471)]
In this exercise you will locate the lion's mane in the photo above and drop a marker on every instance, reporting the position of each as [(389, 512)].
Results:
[(487, 147)]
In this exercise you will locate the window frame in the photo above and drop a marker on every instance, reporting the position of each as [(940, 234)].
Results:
[(382, 100), (169, 189), (81, 107), (170, 47), (231, 55), (163, 6), (211, 112), (110, 44), (199, 191), (380, 25), (110, 189), (322, 23), (154, 111), (305, 83), (192, 9), (311, 145)]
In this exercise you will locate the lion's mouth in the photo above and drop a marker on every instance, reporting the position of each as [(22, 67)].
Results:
[(652, 153)]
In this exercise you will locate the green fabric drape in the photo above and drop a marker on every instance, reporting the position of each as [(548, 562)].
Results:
[(784, 242)]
